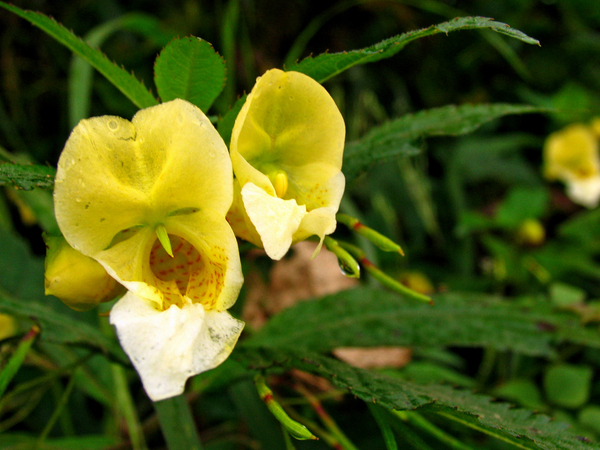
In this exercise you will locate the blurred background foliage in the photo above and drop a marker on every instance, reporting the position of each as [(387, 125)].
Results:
[(472, 213)]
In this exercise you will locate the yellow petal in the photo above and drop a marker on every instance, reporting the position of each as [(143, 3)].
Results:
[(168, 347), (289, 119), (238, 218), (114, 174)]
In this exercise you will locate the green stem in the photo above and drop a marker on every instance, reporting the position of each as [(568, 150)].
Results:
[(381, 276), (127, 408), (348, 264), (177, 424), (327, 420), (382, 242), (57, 412)]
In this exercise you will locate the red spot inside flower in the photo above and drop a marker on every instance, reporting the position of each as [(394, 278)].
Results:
[(190, 272)]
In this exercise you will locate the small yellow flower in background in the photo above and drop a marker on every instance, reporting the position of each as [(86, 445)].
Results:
[(79, 281), (286, 148), (147, 199), (531, 232), (8, 326), (571, 156)]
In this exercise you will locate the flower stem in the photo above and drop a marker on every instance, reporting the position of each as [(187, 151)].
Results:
[(381, 241), (177, 424), (348, 264), (381, 276)]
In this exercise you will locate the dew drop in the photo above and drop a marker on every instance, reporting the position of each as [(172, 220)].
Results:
[(113, 125), (77, 199), (346, 270)]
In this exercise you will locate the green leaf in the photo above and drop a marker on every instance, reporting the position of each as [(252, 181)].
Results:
[(582, 228), (524, 392), (190, 69), (520, 204), (370, 317), (27, 177), (590, 417), (399, 137), (519, 427), (327, 65), (81, 73), (14, 363), (128, 84), (60, 328), (568, 385)]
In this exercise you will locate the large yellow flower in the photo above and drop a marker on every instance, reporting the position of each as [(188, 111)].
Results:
[(286, 148), (147, 199), (571, 156)]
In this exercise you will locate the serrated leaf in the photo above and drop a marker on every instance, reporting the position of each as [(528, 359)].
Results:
[(81, 72), (519, 427), (371, 317), (190, 69), (327, 65), (398, 137), (126, 82), (60, 328), (89, 442), (27, 177)]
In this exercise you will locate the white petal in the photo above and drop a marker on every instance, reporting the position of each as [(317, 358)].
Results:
[(276, 220), (585, 191), (168, 347)]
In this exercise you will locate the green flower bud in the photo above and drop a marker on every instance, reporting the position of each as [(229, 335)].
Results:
[(79, 281)]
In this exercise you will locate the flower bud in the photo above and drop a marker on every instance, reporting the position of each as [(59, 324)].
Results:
[(79, 281)]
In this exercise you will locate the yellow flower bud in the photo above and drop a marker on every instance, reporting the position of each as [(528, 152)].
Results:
[(79, 281)]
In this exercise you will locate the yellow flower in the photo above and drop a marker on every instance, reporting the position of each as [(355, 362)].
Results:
[(571, 156), (147, 199), (79, 281), (286, 148)]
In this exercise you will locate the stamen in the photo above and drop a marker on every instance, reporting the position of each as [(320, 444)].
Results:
[(163, 237), (281, 184)]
